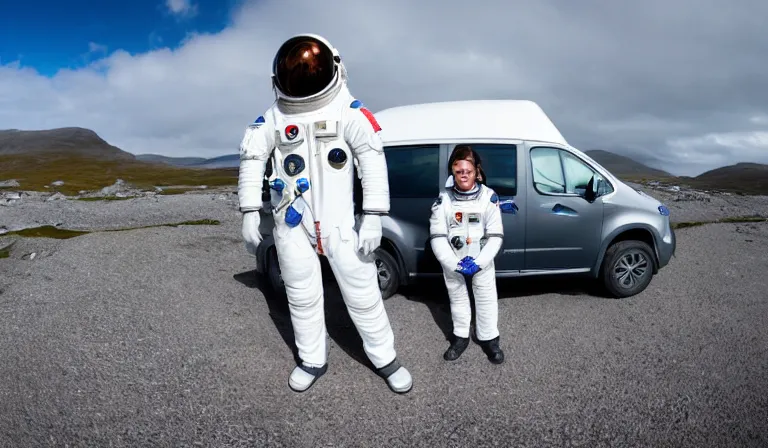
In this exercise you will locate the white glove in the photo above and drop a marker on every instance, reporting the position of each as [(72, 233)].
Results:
[(369, 236), (251, 233)]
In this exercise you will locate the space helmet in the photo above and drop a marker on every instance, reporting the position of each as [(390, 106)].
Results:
[(305, 66)]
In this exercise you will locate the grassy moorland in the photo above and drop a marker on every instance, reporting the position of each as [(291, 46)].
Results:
[(35, 171)]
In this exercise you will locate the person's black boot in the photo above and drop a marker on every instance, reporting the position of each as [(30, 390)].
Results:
[(456, 349), (492, 350)]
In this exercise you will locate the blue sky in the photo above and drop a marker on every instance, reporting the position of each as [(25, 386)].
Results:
[(48, 34)]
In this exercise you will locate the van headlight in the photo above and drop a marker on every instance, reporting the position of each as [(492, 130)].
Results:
[(663, 210)]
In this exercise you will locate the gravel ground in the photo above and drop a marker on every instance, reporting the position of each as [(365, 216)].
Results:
[(165, 337), (36, 209)]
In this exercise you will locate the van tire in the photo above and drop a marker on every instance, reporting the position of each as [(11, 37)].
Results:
[(632, 253), (387, 273), (273, 274)]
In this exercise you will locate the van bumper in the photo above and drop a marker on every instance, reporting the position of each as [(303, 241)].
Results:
[(667, 247)]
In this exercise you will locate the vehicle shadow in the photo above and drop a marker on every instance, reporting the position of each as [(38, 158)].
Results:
[(433, 294), (338, 323), (277, 305)]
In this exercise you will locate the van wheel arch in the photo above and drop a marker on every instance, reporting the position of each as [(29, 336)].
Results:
[(634, 242), (388, 259), (630, 234)]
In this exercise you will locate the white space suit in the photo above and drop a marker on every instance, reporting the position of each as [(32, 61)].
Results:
[(315, 134), (468, 224)]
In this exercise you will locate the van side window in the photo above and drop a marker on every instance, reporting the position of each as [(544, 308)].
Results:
[(548, 176), (499, 164), (558, 171), (413, 171), (577, 174)]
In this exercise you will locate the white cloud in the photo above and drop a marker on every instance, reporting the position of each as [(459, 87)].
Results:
[(93, 47), (181, 8), (715, 149), (612, 75)]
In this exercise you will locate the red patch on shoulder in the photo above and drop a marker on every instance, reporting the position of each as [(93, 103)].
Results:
[(371, 119)]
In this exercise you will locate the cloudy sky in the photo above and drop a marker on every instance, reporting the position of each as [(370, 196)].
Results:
[(681, 84)]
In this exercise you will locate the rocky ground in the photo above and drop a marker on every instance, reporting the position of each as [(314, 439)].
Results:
[(164, 336), (22, 210), (129, 208)]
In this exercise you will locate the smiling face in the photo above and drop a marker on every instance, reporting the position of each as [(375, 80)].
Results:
[(464, 175)]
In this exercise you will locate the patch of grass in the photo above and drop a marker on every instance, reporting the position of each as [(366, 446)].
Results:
[(683, 225), (34, 172), (745, 219), (106, 198), (48, 232), (62, 234), (732, 219), (170, 191), (5, 252)]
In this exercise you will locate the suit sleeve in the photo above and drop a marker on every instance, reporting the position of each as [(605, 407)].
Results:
[(255, 149), (438, 237), (361, 132), (494, 231)]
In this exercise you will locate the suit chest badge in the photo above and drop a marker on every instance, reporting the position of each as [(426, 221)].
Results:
[(458, 216), (293, 164), (291, 131), (337, 158)]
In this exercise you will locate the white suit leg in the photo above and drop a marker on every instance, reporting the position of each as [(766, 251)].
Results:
[(300, 269), (461, 313), (360, 290), (486, 303)]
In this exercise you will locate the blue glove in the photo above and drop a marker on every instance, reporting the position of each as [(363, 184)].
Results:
[(467, 266)]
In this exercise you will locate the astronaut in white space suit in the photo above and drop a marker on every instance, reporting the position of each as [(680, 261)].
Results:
[(315, 133), (466, 233)]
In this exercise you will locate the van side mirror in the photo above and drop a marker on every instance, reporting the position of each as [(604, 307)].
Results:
[(593, 188)]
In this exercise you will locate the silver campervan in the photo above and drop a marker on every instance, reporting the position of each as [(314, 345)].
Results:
[(563, 213)]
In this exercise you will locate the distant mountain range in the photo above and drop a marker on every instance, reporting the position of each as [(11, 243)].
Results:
[(742, 177), (72, 140)]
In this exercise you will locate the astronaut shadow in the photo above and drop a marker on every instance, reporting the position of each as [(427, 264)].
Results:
[(339, 325), (433, 294), (277, 305)]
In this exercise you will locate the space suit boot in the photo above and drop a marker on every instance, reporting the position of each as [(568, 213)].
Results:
[(398, 377), (493, 351), (458, 345), (303, 377)]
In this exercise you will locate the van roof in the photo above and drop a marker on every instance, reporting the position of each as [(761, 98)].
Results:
[(469, 119)]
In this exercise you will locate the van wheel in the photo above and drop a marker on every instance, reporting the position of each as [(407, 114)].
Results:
[(273, 272), (386, 273), (628, 268)]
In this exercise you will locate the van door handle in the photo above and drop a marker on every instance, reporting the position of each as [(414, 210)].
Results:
[(562, 210)]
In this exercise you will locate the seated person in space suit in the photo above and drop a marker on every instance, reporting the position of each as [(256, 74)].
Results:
[(466, 233)]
